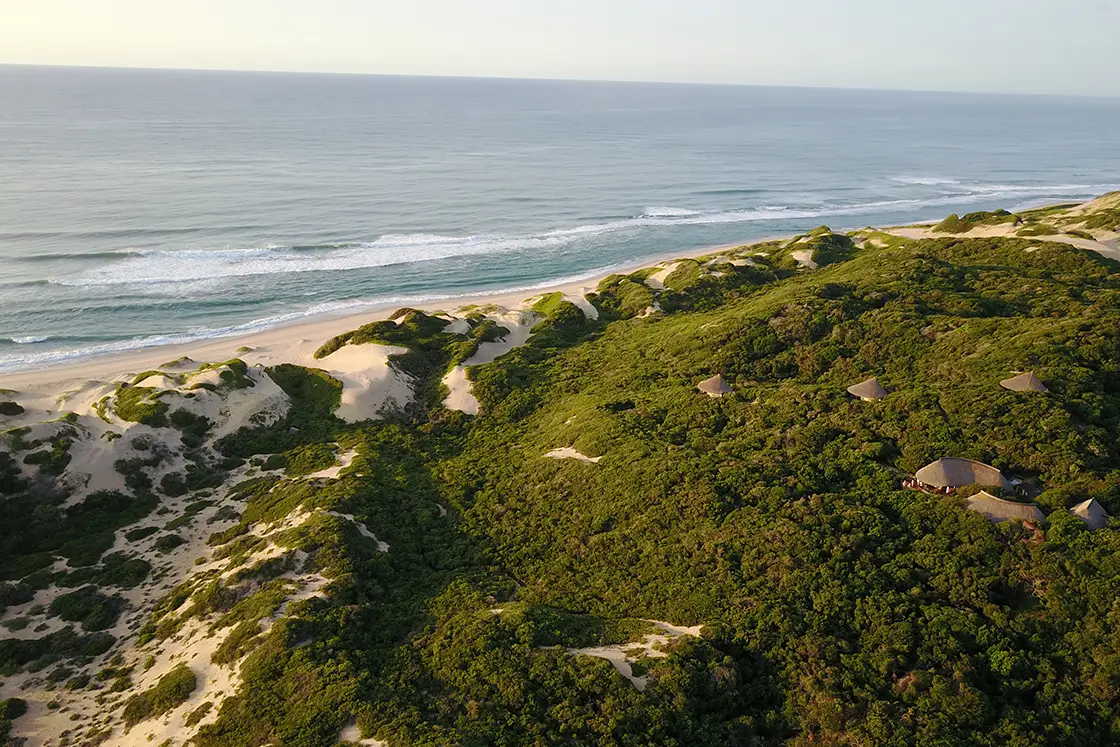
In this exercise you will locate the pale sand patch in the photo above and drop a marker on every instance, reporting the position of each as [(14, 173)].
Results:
[(1007, 230), (362, 529), (520, 325), (650, 310), (657, 279), (42, 726), (351, 734), (622, 656), (570, 453), (458, 327), (369, 384), (332, 473), (580, 300), (804, 257)]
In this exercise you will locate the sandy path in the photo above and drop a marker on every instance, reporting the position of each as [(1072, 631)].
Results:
[(569, 453), (460, 397), (623, 655), (804, 257)]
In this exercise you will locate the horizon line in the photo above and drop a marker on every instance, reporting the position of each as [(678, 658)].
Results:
[(551, 79)]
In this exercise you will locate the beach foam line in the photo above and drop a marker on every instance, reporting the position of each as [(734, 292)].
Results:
[(19, 362), (162, 266)]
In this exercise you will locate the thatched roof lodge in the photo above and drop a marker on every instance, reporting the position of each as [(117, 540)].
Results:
[(716, 386), (869, 391), (1027, 382), (998, 510), (1092, 513), (947, 474)]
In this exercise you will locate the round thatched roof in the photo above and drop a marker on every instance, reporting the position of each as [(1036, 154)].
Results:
[(1027, 382), (716, 386), (1092, 513), (956, 473), (999, 510), (868, 390)]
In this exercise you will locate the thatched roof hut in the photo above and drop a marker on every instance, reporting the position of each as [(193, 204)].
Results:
[(1027, 382), (956, 473), (869, 391), (716, 386), (1092, 513), (998, 510)]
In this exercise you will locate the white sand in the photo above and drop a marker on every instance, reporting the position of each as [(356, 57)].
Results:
[(622, 656), (458, 327), (1103, 248), (332, 473), (656, 281), (369, 385), (580, 300), (351, 734), (362, 529), (570, 453), (804, 257), (520, 324)]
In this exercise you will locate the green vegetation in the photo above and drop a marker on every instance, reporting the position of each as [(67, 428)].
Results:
[(1037, 229), (138, 404), (1107, 220), (55, 459), (117, 569), (39, 653), (170, 692), (233, 375), (34, 528), (548, 303), (10, 710), (197, 714), (88, 606), (957, 224), (837, 608)]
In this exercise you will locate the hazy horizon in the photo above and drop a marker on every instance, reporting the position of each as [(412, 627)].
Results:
[(139, 68), (969, 47)]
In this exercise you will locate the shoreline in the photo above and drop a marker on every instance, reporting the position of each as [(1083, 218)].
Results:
[(310, 330)]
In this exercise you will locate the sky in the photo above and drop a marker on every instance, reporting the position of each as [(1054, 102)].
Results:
[(1013, 46)]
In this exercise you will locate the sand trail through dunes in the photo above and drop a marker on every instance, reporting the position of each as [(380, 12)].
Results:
[(804, 257), (581, 302), (1104, 248), (362, 529), (623, 655), (570, 453), (345, 459), (656, 281), (520, 326)]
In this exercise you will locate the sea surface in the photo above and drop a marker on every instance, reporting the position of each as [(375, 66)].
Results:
[(147, 207)]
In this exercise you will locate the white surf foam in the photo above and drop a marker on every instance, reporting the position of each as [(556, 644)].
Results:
[(152, 268), (334, 308)]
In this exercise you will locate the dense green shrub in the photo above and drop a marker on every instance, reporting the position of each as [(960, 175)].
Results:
[(38, 653), (10, 409), (172, 690), (167, 543), (138, 404), (88, 606)]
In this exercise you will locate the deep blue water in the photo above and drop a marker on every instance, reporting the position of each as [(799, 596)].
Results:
[(139, 207)]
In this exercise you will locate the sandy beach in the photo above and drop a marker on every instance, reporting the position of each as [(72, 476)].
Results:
[(292, 342)]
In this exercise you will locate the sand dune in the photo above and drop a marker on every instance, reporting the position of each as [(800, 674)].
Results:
[(520, 324)]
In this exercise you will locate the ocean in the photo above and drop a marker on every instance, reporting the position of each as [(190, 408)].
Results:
[(146, 207)]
